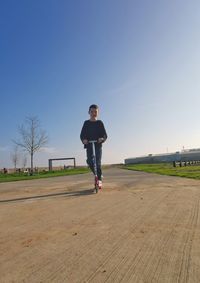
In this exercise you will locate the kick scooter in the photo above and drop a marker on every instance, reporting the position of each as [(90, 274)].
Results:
[(96, 180)]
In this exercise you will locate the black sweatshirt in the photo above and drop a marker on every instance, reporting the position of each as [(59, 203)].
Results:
[(93, 130)]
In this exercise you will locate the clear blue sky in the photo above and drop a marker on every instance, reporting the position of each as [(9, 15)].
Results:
[(138, 60)]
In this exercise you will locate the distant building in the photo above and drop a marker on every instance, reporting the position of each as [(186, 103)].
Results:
[(184, 155)]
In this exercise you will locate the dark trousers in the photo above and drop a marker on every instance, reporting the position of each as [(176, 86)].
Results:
[(90, 161)]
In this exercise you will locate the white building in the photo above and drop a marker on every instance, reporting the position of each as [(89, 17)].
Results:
[(185, 155)]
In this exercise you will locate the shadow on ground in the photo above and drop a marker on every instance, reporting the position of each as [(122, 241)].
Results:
[(68, 194)]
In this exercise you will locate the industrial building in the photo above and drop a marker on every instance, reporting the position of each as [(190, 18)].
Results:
[(184, 155)]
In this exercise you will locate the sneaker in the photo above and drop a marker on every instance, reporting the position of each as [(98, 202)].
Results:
[(100, 184)]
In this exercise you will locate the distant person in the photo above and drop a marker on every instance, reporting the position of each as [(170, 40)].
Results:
[(93, 129)]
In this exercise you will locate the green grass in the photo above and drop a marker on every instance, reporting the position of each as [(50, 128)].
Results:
[(167, 169), (22, 176)]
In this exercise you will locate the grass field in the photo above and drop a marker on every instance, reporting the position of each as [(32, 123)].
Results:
[(167, 169), (23, 176)]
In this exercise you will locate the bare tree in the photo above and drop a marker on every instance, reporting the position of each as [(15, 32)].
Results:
[(15, 156), (32, 137), (24, 161)]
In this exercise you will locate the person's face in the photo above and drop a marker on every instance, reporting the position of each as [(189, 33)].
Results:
[(93, 113)]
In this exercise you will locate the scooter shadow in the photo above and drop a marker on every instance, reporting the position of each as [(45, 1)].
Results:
[(65, 194), (80, 193)]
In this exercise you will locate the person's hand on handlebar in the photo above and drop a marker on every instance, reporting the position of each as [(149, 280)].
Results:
[(100, 140), (85, 141)]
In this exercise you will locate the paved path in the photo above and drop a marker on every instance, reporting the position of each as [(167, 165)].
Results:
[(141, 228)]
